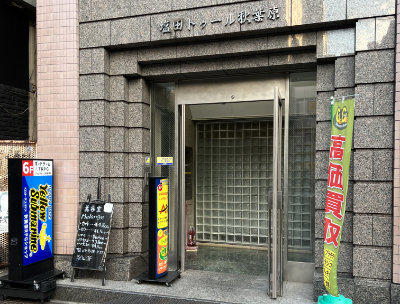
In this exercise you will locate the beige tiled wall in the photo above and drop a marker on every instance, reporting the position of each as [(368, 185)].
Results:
[(58, 96), (396, 177)]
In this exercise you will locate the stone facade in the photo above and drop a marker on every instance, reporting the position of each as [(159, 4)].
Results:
[(123, 49), (365, 259)]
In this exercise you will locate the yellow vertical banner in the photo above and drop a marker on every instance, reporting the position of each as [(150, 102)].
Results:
[(338, 175), (162, 227)]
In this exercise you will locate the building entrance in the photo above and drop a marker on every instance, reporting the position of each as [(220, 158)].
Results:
[(239, 176)]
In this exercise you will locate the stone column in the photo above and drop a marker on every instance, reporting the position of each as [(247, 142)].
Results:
[(373, 159), (57, 112), (334, 78), (115, 138)]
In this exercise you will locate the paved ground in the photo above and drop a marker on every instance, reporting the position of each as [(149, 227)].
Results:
[(216, 276), (22, 301), (204, 286), (136, 299), (140, 299)]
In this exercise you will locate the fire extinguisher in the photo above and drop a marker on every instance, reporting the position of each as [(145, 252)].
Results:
[(192, 234)]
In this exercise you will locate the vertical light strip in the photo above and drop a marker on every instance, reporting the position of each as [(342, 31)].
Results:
[(182, 183)]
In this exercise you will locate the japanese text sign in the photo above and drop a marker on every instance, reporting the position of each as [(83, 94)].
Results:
[(342, 113), (165, 161), (37, 207), (243, 17), (162, 227), (92, 236)]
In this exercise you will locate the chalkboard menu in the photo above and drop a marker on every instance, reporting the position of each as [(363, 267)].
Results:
[(93, 234)]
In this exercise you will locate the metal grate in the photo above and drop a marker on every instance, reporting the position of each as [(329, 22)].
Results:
[(3, 248), (234, 173), (10, 149), (13, 149)]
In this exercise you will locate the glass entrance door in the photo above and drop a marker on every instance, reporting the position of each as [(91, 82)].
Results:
[(239, 158), (250, 147)]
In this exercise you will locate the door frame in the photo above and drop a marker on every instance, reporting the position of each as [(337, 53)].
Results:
[(277, 233), (289, 270)]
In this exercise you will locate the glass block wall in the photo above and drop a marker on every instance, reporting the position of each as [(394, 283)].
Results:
[(301, 182), (301, 171), (234, 173)]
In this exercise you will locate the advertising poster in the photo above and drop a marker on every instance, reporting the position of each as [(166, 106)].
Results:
[(3, 212), (338, 175), (162, 227), (37, 204)]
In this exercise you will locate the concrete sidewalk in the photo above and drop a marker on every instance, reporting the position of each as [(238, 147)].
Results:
[(194, 285)]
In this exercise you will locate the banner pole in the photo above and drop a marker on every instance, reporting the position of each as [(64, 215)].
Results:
[(342, 120)]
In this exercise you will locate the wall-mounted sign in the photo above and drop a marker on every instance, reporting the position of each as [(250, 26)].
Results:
[(165, 161), (147, 161), (243, 17), (37, 207)]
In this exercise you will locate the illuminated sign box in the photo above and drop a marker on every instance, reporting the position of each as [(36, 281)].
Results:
[(31, 217), (158, 227)]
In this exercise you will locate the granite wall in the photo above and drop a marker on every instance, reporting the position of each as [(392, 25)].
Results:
[(365, 259), (123, 49)]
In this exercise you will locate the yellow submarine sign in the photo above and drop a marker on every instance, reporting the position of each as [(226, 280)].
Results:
[(37, 212)]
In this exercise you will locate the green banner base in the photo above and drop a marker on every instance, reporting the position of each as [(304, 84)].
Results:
[(328, 299)]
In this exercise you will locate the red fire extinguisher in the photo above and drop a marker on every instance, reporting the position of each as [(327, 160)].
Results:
[(191, 234)]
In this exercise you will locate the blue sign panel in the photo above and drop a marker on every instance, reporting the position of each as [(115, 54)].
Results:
[(37, 205)]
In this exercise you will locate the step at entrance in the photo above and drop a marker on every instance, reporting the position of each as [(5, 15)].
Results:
[(147, 299)]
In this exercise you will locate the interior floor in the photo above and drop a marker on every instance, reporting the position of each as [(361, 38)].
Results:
[(228, 259)]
